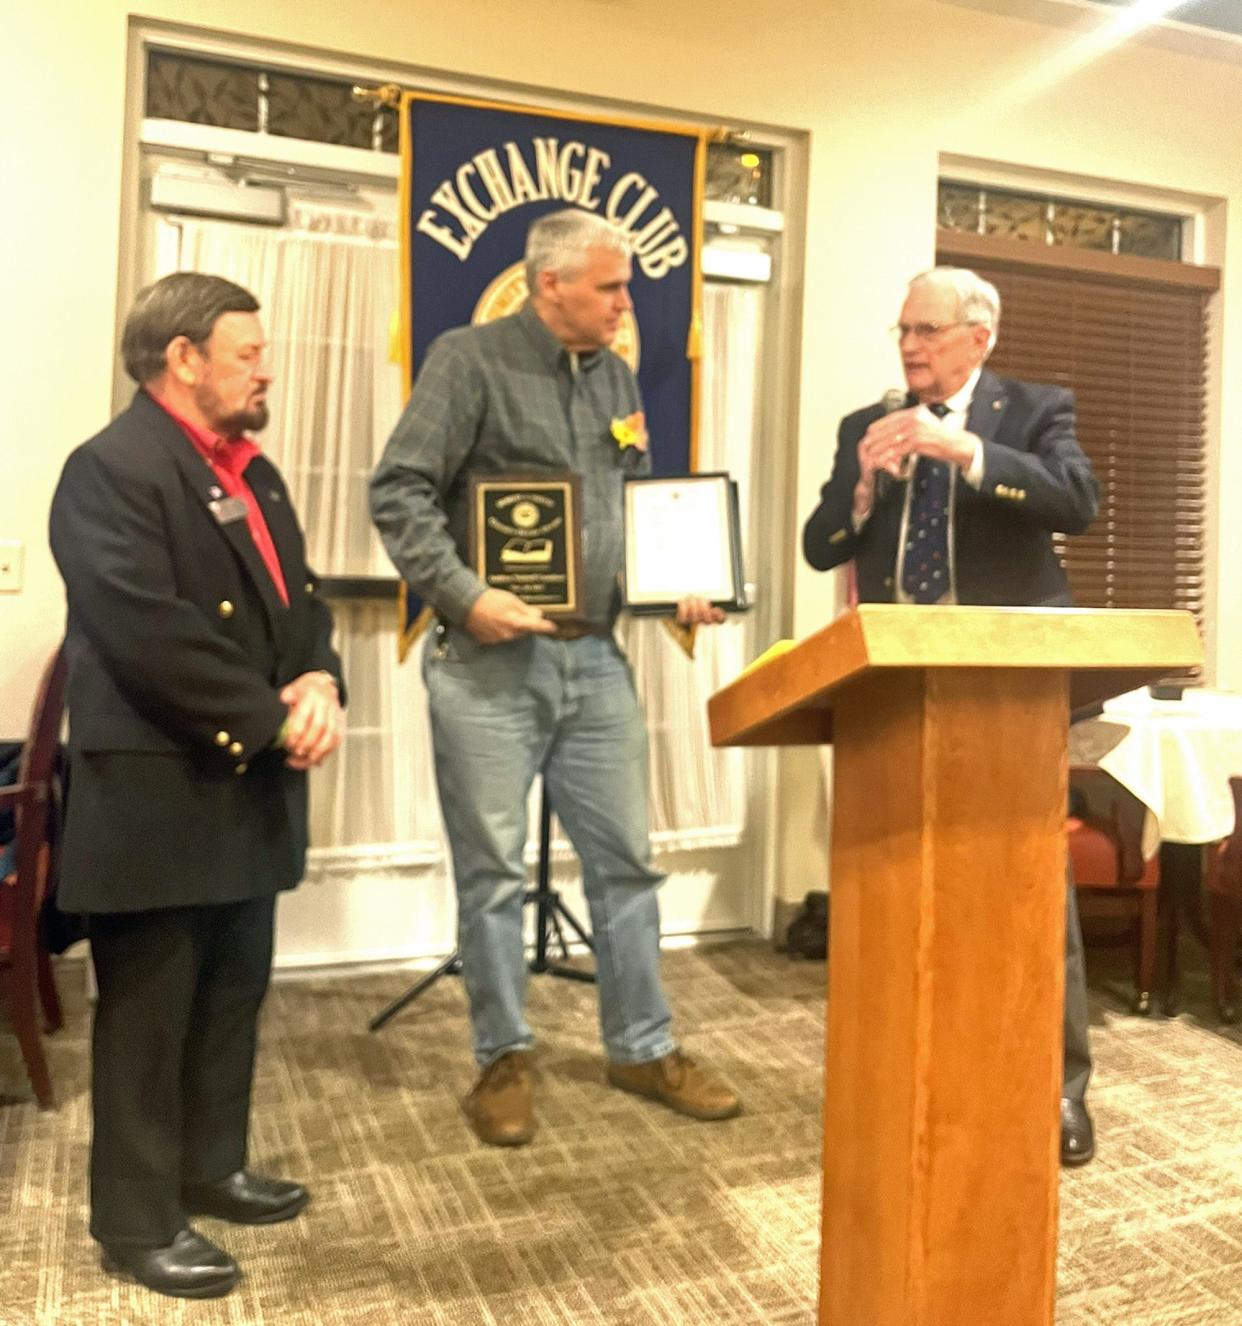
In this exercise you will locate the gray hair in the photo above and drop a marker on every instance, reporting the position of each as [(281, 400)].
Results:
[(978, 301), (183, 304), (560, 241)]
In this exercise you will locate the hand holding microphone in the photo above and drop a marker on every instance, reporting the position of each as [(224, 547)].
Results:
[(892, 443), (893, 400), (875, 480)]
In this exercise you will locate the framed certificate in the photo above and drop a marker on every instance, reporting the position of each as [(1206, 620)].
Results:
[(682, 538), (526, 537)]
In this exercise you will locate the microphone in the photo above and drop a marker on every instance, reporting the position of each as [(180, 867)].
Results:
[(893, 399)]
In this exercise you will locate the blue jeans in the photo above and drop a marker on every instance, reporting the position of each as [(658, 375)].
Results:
[(500, 714)]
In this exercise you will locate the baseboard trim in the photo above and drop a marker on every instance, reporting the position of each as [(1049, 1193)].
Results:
[(330, 966)]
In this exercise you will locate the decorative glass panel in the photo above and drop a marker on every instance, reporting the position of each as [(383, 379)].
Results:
[(1083, 226), (180, 87), (184, 87), (958, 206), (739, 174), (1016, 216), (1152, 236), (389, 129), (318, 109), (1041, 219)]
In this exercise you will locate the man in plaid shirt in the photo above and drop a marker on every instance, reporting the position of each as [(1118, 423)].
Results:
[(514, 693)]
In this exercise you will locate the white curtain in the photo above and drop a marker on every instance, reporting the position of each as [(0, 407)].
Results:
[(375, 801), (327, 286), (698, 794)]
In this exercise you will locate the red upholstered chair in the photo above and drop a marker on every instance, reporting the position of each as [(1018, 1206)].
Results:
[(25, 968), (1224, 886), (1112, 879)]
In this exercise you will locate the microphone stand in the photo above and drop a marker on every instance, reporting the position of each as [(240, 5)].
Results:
[(550, 911)]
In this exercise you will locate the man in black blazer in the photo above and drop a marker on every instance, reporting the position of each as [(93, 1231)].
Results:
[(951, 495), (202, 686)]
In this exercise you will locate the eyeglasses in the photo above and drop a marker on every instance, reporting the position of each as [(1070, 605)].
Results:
[(926, 331)]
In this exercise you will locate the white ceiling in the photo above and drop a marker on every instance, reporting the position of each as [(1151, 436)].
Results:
[(1222, 15), (1207, 29)]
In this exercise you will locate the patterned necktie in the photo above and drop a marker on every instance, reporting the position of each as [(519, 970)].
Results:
[(925, 565)]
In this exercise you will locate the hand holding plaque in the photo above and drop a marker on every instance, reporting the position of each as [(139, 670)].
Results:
[(526, 537)]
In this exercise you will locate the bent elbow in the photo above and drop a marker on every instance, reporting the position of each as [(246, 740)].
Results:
[(815, 548), (1075, 527)]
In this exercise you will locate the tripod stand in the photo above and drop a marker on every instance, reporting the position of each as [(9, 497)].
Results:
[(550, 912)]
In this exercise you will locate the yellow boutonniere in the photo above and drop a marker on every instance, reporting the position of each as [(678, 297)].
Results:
[(631, 431)]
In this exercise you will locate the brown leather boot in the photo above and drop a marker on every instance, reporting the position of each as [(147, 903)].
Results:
[(499, 1104), (681, 1084)]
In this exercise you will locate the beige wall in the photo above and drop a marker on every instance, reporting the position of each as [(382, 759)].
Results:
[(883, 86)]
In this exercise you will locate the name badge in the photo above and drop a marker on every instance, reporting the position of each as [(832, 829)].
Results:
[(227, 509)]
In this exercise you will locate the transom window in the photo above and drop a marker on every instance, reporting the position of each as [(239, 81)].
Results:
[(1048, 219)]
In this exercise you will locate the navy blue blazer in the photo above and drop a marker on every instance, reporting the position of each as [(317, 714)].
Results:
[(1036, 481)]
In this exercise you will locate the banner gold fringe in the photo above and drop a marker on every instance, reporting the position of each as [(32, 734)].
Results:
[(683, 636), (408, 633)]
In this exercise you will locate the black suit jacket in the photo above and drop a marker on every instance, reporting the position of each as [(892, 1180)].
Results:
[(1036, 481), (178, 645)]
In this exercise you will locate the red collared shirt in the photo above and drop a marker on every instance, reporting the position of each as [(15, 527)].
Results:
[(228, 458)]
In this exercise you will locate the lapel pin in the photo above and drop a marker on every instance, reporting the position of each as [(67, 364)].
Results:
[(274, 495), (216, 492), (996, 405)]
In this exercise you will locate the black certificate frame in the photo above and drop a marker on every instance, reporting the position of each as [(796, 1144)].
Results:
[(726, 534)]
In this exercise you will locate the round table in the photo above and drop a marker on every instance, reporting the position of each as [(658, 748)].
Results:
[(1177, 757)]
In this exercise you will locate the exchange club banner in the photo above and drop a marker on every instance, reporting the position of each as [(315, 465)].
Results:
[(476, 174)]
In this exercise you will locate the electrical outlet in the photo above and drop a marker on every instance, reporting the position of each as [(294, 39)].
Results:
[(12, 565)]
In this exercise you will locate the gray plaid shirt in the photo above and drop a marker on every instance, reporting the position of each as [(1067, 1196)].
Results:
[(501, 398)]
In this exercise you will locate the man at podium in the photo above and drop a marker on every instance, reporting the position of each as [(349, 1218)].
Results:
[(951, 493)]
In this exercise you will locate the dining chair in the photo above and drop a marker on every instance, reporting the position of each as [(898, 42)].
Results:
[(1113, 881), (1224, 888), (26, 979)]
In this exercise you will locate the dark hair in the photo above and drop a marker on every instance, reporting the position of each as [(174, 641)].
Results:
[(183, 304)]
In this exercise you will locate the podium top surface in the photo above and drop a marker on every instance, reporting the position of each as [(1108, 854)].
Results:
[(788, 699)]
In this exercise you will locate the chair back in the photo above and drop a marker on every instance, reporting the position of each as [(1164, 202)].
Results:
[(1225, 869), (1105, 829), (31, 800)]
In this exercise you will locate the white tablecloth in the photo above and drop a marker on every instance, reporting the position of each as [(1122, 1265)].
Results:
[(1176, 756)]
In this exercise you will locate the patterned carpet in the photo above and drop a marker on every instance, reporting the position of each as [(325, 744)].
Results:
[(619, 1214)]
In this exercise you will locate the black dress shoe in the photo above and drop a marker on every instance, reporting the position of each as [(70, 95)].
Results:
[(1077, 1133), (245, 1199), (189, 1267)]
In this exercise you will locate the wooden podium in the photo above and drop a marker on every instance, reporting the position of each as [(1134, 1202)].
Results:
[(946, 960)]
